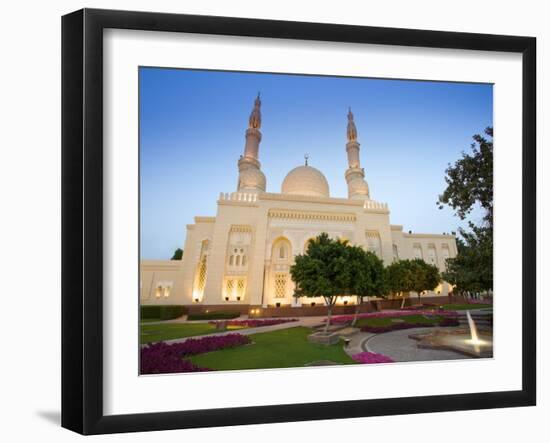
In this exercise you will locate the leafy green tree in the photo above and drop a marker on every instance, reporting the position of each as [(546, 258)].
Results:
[(472, 268), (415, 275), (470, 180), (367, 276), (425, 277), (470, 185), (399, 278), (323, 271), (178, 254)]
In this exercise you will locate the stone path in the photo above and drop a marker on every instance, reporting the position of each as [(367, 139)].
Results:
[(304, 321), (398, 346)]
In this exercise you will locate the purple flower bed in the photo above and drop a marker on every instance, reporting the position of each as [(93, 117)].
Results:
[(425, 306), (394, 327), (256, 323), (392, 313), (371, 357), (163, 358)]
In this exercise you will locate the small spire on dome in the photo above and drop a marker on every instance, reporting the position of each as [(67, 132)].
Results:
[(255, 120), (306, 157), (352, 130)]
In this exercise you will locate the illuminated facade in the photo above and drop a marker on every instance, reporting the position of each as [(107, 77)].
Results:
[(243, 255)]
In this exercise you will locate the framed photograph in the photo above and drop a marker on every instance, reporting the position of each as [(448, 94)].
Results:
[(268, 221)]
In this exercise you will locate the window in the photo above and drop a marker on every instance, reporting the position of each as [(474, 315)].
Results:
[(244, 260), (432, 256), (395, 253), (229, 288), (282, 252), (158, 291), (374, 243), (238, 260), (280, 284), (240, 288), (417, 251), (200, 276)]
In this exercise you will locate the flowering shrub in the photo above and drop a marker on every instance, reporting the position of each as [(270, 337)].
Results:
[(424, 306), (162, 358), (371, 357), (394, 327), (479, 302), (256, 323), (392, 313), (449, 321)]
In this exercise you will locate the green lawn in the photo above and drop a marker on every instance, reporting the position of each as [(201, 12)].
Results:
[(463, 307), (286, 348), (168, 331), (389, 320)]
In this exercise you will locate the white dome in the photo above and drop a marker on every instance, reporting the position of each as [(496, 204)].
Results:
[(305, 180)]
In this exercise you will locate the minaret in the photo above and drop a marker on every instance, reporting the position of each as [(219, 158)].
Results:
[(251, 178), (355, 175)]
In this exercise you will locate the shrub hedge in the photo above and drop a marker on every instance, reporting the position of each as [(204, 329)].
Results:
[(162, 312), (214, 315)]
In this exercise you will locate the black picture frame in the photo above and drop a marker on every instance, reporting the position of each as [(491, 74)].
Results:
[(82, 218)]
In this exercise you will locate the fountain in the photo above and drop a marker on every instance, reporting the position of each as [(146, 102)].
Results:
[(468, 341)]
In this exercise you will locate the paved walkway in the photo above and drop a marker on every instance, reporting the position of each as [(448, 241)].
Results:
[(398, 346), (303, 321)]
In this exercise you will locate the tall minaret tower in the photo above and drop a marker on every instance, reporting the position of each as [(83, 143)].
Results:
[(251, 178), (355, 175)]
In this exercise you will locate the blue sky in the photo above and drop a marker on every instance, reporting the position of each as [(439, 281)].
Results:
[(192, 126)]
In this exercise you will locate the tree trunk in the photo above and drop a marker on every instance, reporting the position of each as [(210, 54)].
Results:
[(329, 313), (357, 306), (403, 302)]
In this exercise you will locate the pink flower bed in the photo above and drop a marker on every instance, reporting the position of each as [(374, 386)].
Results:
[(163, 358), (371, 357), (392, 313), (479, 302), (256, 323)]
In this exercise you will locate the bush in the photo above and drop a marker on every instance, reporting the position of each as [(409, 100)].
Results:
[(219, 315), (371, 357), (162, 312), (394, 327), (256, 323), (163, 358)]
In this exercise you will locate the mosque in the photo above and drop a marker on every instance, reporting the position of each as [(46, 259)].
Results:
[(240, 259)]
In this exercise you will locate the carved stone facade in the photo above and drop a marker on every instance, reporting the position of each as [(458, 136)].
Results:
[(242, 256)]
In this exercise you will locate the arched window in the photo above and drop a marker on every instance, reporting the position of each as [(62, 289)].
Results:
[(244, 260), (200, 276), (282, 252), (238, 260), (231, 260), (395, 253)]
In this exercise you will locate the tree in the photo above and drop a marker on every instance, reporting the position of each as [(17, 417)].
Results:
[(425, 277), (323, 271), (470, 185), (470, 180), (178, 254), (399, 278), (472, 268), (415, 275), (367, 276)]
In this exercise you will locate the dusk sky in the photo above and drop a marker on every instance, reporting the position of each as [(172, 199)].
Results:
[(192, 127)]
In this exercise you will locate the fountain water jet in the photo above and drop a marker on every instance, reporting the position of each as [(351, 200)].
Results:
[(462, 340)]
